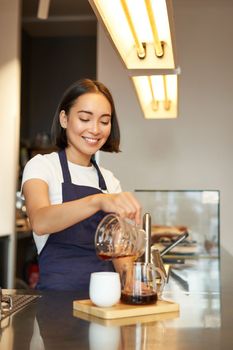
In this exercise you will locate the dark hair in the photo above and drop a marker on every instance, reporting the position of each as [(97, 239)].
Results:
[(70, 96)]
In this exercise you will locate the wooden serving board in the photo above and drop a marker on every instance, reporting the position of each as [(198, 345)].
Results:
[(121, 310)]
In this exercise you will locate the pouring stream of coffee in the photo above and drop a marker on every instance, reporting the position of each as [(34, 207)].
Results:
[(173, 244)]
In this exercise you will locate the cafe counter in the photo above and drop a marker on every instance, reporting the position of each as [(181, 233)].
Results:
[(203, 289)]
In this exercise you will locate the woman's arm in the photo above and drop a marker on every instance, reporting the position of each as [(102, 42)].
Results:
[(47, 218)]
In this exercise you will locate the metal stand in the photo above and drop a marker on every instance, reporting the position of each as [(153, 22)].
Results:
[(147, 228)]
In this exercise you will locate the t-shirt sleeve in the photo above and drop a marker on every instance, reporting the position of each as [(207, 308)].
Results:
[(36, 168), (117, 186)]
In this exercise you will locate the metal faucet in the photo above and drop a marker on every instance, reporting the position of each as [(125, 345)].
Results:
[(156, 257)]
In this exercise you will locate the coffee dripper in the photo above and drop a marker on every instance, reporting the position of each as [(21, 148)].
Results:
[(143, 281)]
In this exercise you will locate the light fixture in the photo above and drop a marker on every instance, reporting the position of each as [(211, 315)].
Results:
[(157, 95), (142, 31), (43, 9)]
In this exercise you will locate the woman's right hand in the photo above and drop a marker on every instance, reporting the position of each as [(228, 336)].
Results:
[(49, 218), (124, 204)]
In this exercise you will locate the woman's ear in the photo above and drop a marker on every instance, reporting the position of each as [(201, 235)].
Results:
[(63, 119)]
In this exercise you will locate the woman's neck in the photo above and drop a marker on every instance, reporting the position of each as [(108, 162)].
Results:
[(74, 157)]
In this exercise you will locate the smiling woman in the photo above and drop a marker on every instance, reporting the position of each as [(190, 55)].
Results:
[(67, 194)]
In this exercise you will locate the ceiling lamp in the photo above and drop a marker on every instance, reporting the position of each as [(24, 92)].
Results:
[(142, 31), (43, 9), (157, 95)]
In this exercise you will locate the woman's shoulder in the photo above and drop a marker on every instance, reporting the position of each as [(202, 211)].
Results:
[(113, 184), (106, 172), (42, 166), (50, 158), (47, 156)]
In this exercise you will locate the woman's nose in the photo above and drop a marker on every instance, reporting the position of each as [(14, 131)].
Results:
[(95, 128)]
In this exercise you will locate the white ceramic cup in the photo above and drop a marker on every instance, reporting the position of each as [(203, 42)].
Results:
[(105, 288)]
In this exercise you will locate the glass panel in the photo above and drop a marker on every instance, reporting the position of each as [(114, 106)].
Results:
[(173, 212)]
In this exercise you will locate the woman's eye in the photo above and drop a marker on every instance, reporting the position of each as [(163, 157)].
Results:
[(105, 121), (84, 120)]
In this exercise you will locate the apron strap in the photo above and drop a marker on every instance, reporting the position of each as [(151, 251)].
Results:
[(64, 166), (102, 184)]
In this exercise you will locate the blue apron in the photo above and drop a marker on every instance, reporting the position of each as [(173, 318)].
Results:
[(69, 257)]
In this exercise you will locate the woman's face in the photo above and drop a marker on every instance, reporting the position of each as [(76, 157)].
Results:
[(88, 126)]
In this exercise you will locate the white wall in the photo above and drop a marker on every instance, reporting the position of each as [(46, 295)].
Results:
[(195, 150), (9, 120)]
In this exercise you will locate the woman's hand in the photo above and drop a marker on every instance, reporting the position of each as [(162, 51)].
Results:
[(124, 204)]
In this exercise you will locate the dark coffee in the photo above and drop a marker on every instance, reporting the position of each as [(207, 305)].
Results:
[(143, 299), (109, 256), (104, 256)]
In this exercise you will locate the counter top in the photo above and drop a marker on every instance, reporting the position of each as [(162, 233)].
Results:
[(203, 290)]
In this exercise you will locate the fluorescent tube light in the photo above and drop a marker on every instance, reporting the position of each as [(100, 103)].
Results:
[(158, 96), (142, 31)]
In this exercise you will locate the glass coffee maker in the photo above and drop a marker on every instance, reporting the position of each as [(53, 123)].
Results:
[(119, 238)]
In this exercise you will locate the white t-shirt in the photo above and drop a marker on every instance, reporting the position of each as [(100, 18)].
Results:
[(47, 168)]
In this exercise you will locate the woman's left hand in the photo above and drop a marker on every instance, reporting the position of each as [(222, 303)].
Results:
[(124, 204)]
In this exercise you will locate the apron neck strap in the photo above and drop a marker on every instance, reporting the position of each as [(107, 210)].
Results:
[(66, 172), (64, 166), (102, 184)]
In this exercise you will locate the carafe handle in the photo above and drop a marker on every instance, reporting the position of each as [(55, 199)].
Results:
[(160, 286)]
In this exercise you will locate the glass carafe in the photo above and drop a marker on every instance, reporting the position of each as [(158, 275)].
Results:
[(117, 238)]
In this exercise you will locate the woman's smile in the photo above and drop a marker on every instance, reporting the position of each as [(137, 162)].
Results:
[(91, 140)]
